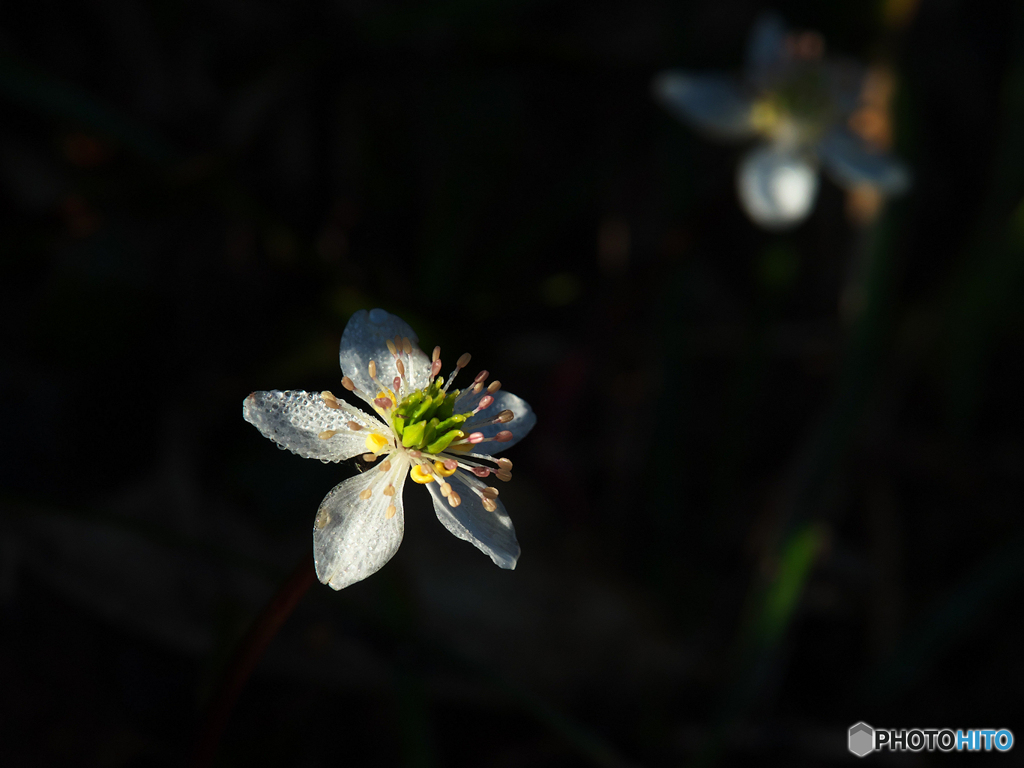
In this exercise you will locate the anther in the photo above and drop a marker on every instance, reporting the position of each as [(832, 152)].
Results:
[(489, 492), (480, 471), (401, 368), (504, 417), (446, 488), (390, 490), (346, 382), (477, 389), (475, 437), (435, 368), (488, 504), (481, 377), (370, 457), (327, 434), (505, 463), (383, 403), (454, 499), (391, 510), (485, 402), (414, 454), (391, 348), (493, 387), (354, 426), (504, 475), (366, 494), (396, 383), (406, 345), (504, 436), (450, 464), (329, 399), (386, 466), (372, 369), (463, 361), (435, 355)]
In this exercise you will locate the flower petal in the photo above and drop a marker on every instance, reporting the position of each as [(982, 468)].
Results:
[(295, 420), (353, 537), (776, 186), (849, 162), (714, 104), (523, 422), (490, 532), (365, 339), (766, 47)]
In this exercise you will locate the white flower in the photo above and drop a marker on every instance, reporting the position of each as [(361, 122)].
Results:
[(421, 428), (799, 104)]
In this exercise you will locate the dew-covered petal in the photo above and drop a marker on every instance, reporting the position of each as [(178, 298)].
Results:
[(777, 187), (365, 339), (354, 537), (766, 48), (296, 419), (850, 162), (490, 532), (523, 419), (714, 104)]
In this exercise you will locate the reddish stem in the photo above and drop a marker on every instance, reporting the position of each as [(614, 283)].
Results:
[(247, 656)]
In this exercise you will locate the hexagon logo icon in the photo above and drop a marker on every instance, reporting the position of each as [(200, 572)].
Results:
[(862, 739)]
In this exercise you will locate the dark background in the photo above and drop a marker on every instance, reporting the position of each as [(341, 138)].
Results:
[(776, 481)]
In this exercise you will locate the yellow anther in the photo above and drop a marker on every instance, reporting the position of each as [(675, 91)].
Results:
[(390, 511), (454, 499), (446, 488), (372, 369), (376, 443), (436, 354), (488, 504), (421, 475), (366, 494), (355, 426), (391, 347), (406, 345), (490, 493), (390, 490), (385, 465), (327, 434), (440, 468), (329, 399)]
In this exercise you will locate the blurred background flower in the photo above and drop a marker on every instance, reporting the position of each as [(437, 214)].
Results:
[(774, 487), (802, 105)]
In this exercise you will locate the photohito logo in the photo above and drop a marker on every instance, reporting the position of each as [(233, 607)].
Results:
[(863, 739)]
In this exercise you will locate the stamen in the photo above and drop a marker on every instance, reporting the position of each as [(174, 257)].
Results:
[(481, 471), (354, 426), (504, 436), (327, 434), (463, 361), (391, 348), (481, 377), (414, 454), (446, 488), (372, 369), (390, 490), (435, 355), (366, 494), (369, 457), (454, 499), (489, 492), (450, 464), (493, 387), (504, 417), (396, 384), (474, 438), (386, 466), (435, 368), (401, 368), (505, 463), (485, 402), (406, 345), (383, 403), (504, 475), (488, 504), (390, 512), (346, 382), (476, 389), (329, 399)]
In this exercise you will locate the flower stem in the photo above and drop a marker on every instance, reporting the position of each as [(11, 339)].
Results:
[(246, 657)]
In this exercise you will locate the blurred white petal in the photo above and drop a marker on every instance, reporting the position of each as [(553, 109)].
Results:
[(714, 104), (766, 47), (365, 339), (849, 163), (490, 532), (353, 537), (523, 422), (776, 186), (295, 420)]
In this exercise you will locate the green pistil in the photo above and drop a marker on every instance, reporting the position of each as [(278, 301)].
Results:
[(425, 420)]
